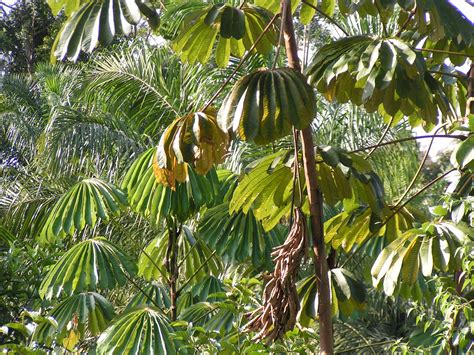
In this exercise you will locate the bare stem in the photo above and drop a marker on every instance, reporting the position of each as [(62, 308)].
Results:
[(380, 140), (447, 74), (420, 167), (443, 51), (452, 136)]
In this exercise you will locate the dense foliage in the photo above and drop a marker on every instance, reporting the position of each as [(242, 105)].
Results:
[(154, 192)]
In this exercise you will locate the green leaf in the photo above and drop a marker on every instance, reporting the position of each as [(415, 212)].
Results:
[(6, 236), (153, 293), (348, 295), (238, 236), (138, 331), (82, 312), (411, 262), (194, 257), (85, 203), (249, 110), (385, 75), (68, 5), (93, 21), (328, 7), (307, 12), (156, 201), (235, 28), (87, 266), (464, 153)]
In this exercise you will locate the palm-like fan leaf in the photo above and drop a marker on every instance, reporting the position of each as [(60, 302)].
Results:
[(82, 205), (156, 201), (87, 266), (348, 295), (139, 331), (433, 247), (153, 294), (84, 312), (267, 188), (237, 30), (238, 236), (350, 228), (98, 21), (379, 74), (264, 105)]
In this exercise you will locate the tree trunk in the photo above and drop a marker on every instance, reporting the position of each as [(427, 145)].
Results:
[(314, 197)]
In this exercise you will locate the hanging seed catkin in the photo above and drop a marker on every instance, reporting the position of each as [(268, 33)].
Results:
[(280, 306)]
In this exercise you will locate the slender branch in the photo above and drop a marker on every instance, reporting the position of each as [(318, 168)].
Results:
[(401, 140), (196, 272), (418, 193), (155, 265), (420, 167), (381, 139), (443, 51), (143, 292), (407, 21), (447, 74), (329, 18), (6, 5), (249, 52), (280, 41)]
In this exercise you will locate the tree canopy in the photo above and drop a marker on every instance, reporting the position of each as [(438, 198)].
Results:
[(238, 177)]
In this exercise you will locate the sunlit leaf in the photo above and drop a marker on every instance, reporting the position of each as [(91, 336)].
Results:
[(89, 265)]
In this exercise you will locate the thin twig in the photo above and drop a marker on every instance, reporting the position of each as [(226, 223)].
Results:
[(420, 167), (407, 21), (329, 18), (280, 41), (447, 74), (155, 265), (427, 186), (401, 140), (381, 139), (249, 52), (443, 51), (143, 292), (6, 5), (196, 272), (305, 46)]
